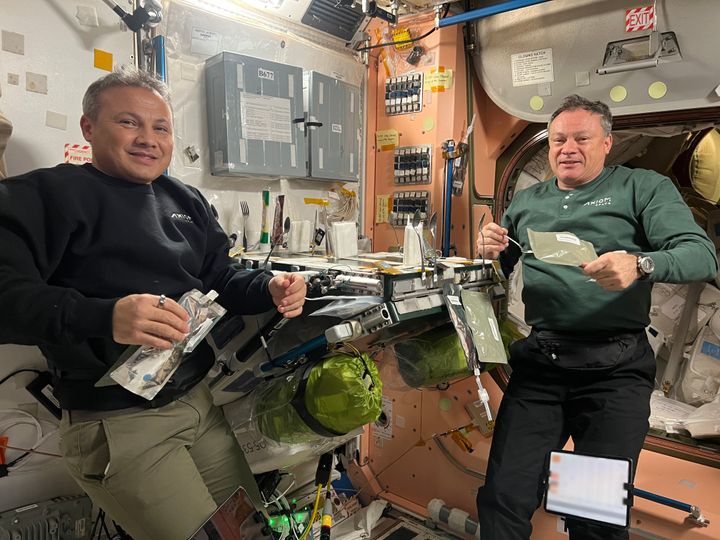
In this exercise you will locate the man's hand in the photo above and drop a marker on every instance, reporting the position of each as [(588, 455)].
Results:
[(140, 319), (288, 293), (492, 241), (613, 271)]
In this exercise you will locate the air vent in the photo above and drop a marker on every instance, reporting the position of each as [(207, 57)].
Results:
[(332, 17)]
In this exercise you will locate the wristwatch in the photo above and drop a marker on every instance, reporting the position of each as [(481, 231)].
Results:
[(645, 266)]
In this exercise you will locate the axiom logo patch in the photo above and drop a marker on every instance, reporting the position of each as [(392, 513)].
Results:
[(181, 217), (605, 201)]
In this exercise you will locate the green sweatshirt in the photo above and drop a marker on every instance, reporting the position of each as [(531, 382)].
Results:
[(635, 210)]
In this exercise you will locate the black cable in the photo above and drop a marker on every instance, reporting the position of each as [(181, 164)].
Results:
[(9, 375), (19, 458), (396, 42), (412, 40)]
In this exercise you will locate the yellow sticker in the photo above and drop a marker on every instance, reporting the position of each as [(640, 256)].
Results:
[(387, 140), (382, 208), (618, 93), (536, 103), (439, 79), (103, 60), (657, 90), (428, 124)]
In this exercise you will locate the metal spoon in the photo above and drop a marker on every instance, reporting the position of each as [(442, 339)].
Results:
[(433, 229), (528, 251), (286, 229)]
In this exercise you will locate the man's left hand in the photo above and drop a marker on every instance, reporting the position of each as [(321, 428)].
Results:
[(613, 271), (288, 293)]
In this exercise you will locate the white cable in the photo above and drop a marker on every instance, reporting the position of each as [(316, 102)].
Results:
[(31, 420), (276, 500), (327, 298)]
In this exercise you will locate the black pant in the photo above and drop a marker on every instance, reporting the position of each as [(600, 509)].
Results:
[(595, 390)]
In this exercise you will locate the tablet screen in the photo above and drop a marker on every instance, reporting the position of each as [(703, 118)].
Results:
[(589, 487)]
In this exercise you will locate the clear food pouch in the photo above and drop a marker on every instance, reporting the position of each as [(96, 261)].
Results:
[(452, 295), (561, 248), (145, 370), (486, 335)]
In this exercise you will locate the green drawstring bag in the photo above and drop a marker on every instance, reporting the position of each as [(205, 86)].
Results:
[(327, 399)]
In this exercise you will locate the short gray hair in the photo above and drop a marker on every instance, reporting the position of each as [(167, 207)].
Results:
[(575, 102), (122, 76)]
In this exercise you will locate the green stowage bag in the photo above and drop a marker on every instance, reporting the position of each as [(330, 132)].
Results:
[(431, 358), (327, 399)]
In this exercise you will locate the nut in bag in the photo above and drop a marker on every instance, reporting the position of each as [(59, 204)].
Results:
[(146, 370)]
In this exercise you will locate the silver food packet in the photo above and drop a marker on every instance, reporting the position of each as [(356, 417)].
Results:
[(146, 371)]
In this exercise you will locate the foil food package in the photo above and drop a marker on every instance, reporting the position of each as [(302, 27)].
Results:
[(147, 369)]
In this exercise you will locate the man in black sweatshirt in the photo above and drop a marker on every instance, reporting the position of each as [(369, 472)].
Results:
[(91, 260)]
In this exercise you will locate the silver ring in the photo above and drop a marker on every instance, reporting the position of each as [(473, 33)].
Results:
[(161, 301)]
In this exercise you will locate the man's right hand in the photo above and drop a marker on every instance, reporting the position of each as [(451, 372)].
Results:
[(140, 319), (492, 241)]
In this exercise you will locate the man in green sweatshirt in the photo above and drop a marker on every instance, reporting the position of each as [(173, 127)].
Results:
[(587, 370)]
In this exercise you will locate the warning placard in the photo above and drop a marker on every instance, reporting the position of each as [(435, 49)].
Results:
[(642, 18), (77, 154), (532, 67)]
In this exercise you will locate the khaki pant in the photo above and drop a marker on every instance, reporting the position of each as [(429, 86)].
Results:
[(159, 473)]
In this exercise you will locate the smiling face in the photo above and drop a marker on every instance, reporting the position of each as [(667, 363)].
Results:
[(132, 136), (578, 147)]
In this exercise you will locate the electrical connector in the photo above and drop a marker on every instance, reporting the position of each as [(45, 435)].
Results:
[(322, 474), (346, 331), (326, 523)]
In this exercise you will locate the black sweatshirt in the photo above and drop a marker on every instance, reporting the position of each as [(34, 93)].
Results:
[(74, 240)]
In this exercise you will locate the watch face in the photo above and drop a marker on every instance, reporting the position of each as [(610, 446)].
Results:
[(647, 265)]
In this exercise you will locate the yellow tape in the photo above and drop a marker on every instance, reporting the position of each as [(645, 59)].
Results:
[(401, 34), (313, 200)]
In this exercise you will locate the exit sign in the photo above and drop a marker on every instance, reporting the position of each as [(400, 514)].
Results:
[(642, 18)]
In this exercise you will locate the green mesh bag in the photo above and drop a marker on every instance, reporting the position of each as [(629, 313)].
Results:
[(328, 399), (431, 358)]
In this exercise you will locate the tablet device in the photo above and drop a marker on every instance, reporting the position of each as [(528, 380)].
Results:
[(235, 519), (590, 488)]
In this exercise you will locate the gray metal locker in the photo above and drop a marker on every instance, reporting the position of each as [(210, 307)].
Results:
[(255, 112), (333, 142)]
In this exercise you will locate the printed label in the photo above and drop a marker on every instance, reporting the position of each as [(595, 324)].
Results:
[(204, 41), (532, 67), (454, 300), (266, 74), (265, 118), (568, 238)]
